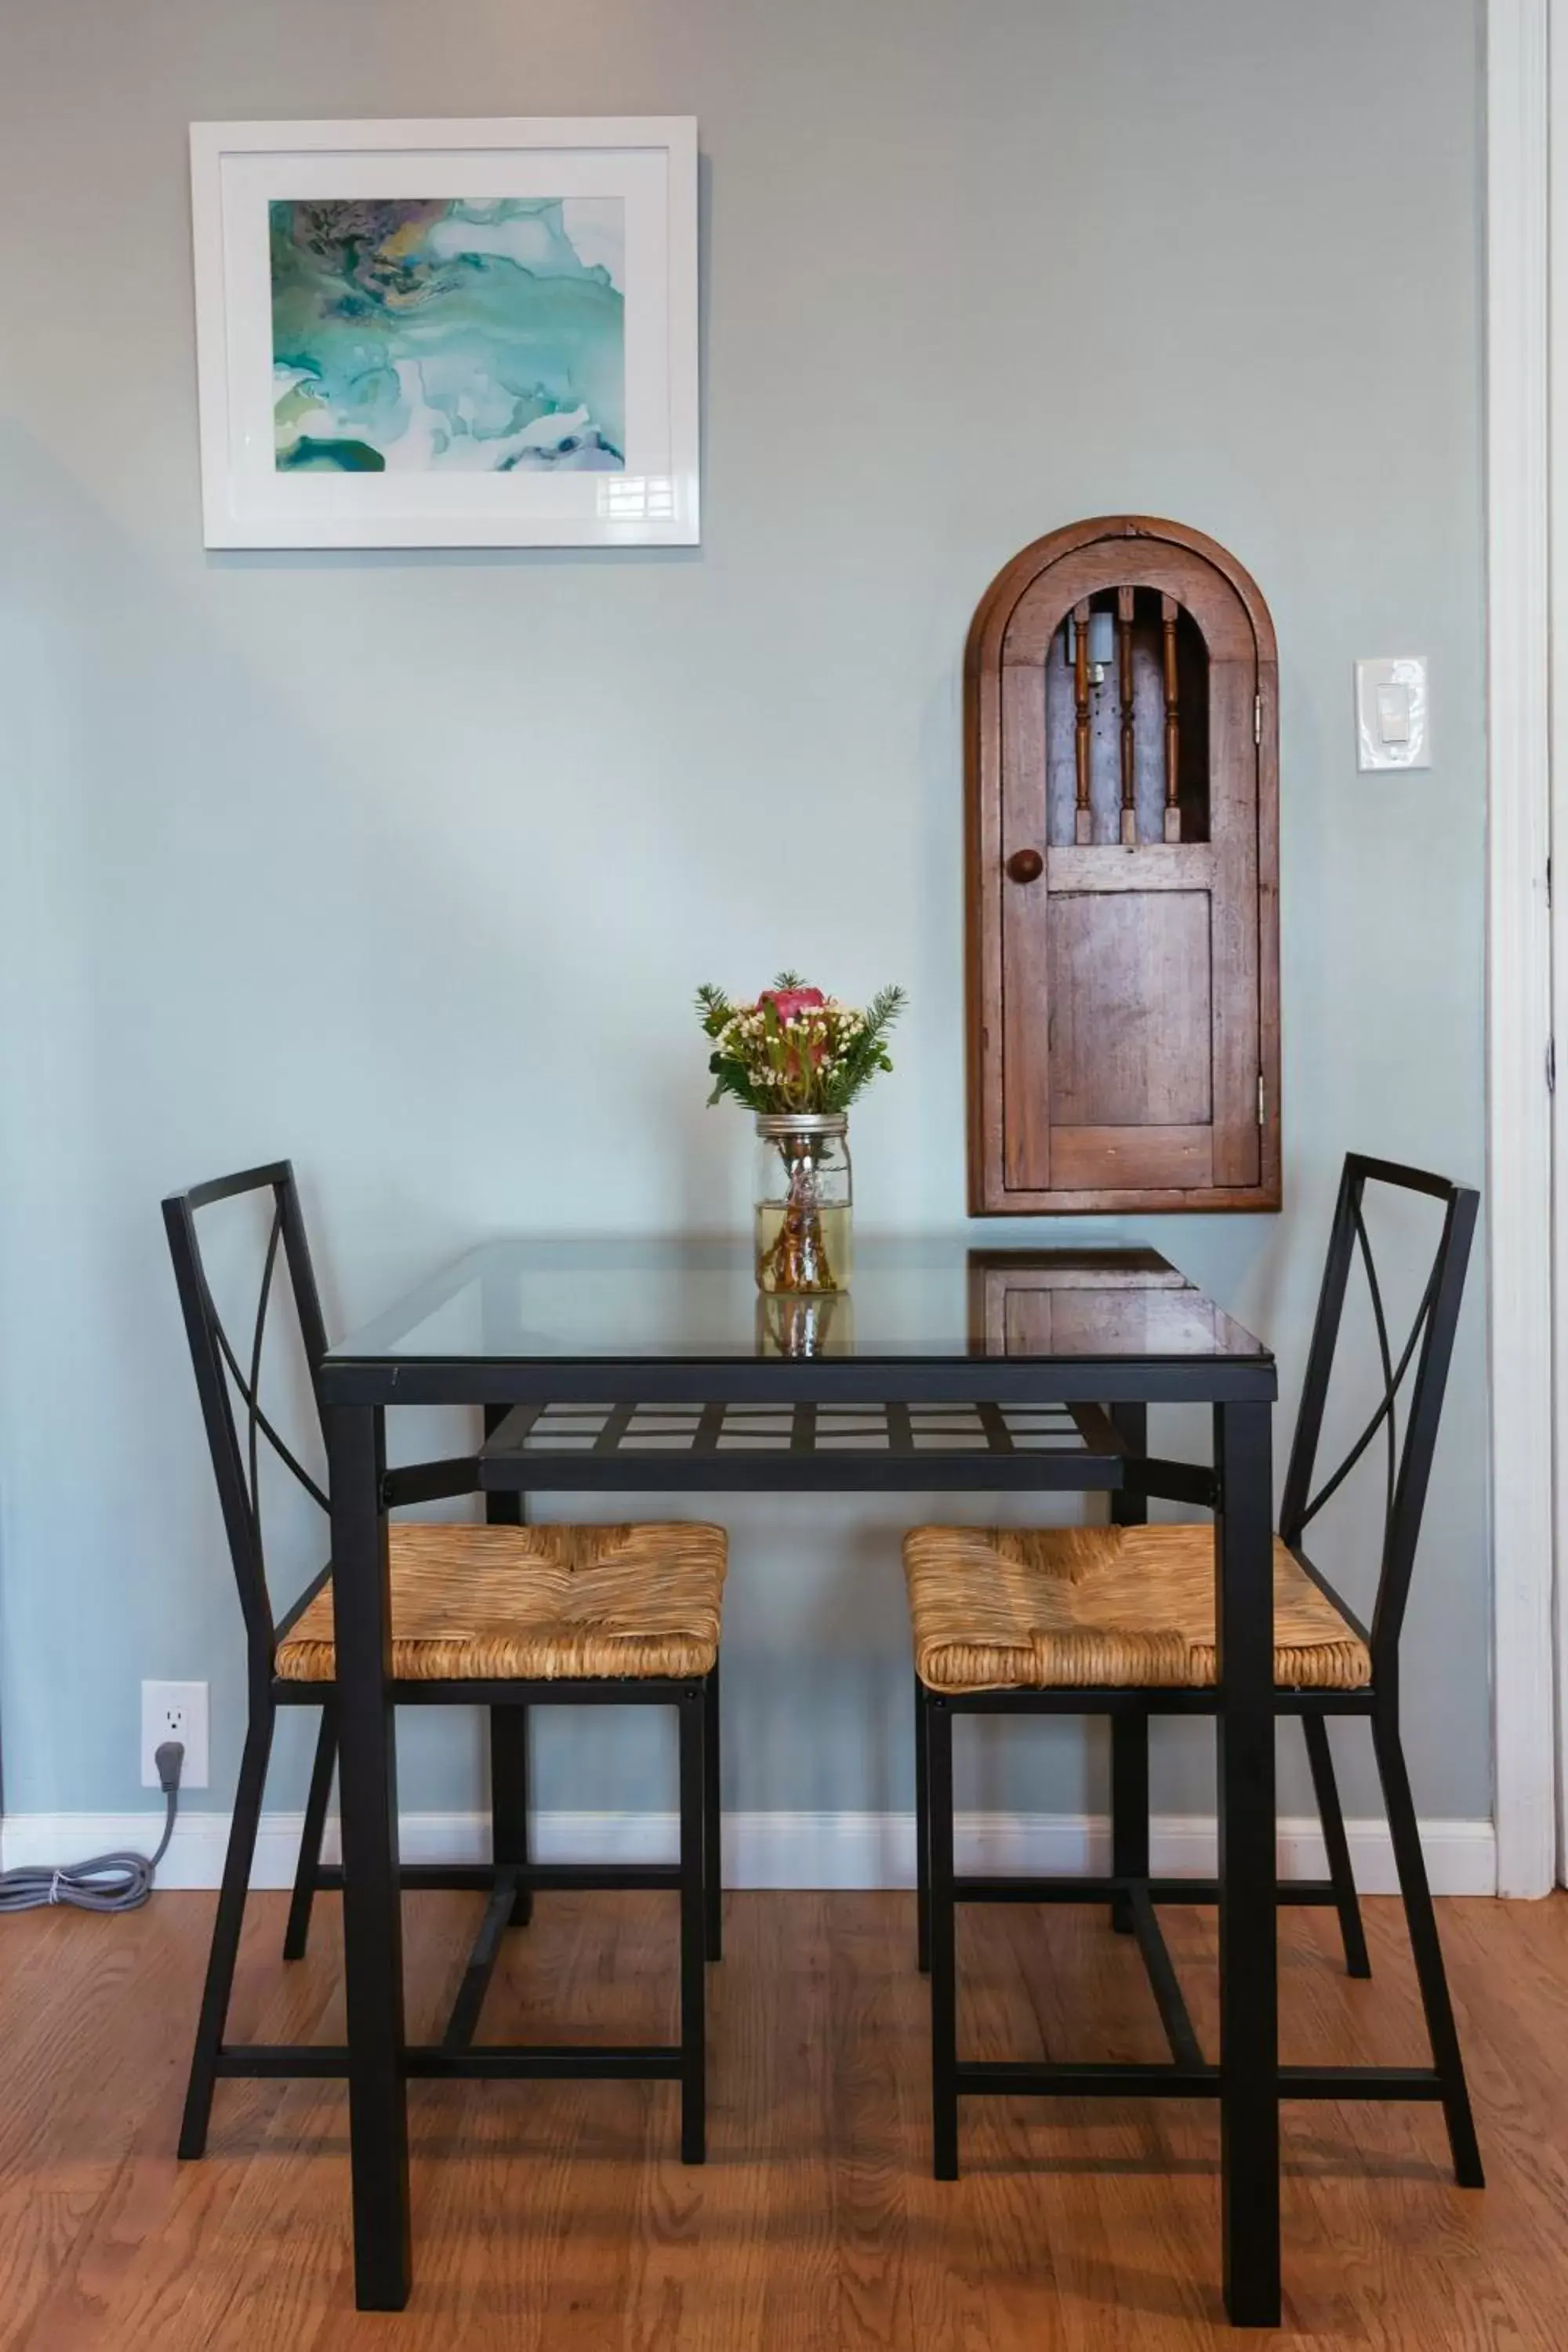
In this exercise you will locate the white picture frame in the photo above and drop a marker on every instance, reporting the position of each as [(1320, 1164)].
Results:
[(454, 473)]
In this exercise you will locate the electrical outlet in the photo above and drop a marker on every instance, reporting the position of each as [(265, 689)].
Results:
[(175, 1711)]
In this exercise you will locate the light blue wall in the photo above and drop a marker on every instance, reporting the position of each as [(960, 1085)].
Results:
[(407, 864)]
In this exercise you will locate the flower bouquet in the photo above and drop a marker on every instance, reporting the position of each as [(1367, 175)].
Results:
[(797, 1060)]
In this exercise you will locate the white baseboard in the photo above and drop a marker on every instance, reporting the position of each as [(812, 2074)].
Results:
[(763, 1850)]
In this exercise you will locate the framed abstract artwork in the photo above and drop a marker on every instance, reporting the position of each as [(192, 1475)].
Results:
[(448, 334)]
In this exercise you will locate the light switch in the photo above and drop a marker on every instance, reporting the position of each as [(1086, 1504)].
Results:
[(1392, 725), (1393, 715)]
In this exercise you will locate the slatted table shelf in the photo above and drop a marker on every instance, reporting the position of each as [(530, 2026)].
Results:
[(806, 1446)]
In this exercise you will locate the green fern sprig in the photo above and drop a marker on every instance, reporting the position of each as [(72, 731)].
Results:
[(868, 1053)]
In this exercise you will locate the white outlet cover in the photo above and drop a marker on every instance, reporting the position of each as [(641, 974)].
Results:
[(174, 1711), (1393, 728)]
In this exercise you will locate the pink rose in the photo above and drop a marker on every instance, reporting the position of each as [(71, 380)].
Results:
[(789, 1003)]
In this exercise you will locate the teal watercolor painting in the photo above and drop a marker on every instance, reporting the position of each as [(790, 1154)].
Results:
[(449, 336)]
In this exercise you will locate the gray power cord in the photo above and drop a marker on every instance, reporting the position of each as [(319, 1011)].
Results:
[(110, 1882)]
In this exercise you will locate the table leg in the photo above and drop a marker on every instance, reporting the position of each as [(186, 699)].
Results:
[(1130, 1732), (372, 1936), (1131, 1423), (1249, 1957)]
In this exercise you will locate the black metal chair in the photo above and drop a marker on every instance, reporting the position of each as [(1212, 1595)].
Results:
[(1119, 1621), (474, 1621)]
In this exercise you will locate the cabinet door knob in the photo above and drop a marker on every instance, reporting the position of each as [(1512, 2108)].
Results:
[(1026, 865)]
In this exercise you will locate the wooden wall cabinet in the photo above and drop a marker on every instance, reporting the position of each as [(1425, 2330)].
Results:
[(1121, 720)]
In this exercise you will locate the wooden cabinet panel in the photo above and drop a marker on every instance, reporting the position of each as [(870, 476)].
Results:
[(1143, 1159), (1129, 1020), (1124, 962)]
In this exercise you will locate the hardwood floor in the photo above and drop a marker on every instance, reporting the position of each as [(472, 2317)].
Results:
[(557, 2218)]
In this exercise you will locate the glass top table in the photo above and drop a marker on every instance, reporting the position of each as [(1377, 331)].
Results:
[(654, 1307), (638, 1365)]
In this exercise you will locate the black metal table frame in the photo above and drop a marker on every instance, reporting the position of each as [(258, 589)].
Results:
[(355, 1395)]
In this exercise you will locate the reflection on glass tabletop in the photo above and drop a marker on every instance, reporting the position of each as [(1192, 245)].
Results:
[(912, 1301)]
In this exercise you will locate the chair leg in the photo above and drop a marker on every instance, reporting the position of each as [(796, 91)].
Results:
[(224, 1948), (712, 1819), (1426, 1949), (1128, 1807), (508, 1797), (296, 1935), (943, 1939), (1326, 1789), (693, 1931), (923, 1836)]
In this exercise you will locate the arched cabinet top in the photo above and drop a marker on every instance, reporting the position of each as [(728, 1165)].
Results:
[(1152, 539)]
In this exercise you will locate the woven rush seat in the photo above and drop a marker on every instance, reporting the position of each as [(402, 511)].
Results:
[(1102, 1608), (542, 1603)]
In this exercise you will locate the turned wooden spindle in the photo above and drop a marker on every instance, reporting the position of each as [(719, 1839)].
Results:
[(1124, 667), (1083, 827), (1168, 610)]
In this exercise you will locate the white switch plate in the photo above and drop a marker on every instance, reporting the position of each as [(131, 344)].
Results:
[(175, 1711), (1393, 723)]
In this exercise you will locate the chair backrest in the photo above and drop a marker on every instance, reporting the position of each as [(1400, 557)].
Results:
[(1423, 1357), (222, 1376)]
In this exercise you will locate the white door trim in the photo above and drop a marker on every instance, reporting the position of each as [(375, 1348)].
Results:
[(1519, 953), (1556, 434)]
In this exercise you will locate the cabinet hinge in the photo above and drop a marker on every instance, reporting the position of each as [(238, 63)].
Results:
[(1258, 718), (1262, 1101), (1551, 1066)]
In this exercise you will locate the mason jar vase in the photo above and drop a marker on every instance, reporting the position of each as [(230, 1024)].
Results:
[(803, 1195)]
